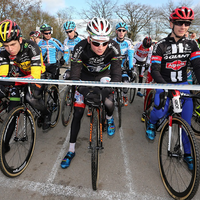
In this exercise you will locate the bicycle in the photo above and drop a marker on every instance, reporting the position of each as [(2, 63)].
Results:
[(68, 105), (179, 181), (97, 127), (4, 102), (195, 121), (18, 134)]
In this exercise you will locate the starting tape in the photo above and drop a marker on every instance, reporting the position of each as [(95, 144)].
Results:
[(100, 84)]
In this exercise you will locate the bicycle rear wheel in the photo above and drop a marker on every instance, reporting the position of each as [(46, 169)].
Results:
[(95, 149), (132, 91), (52, 101), (67, 106), (179, 181), (18, 137)]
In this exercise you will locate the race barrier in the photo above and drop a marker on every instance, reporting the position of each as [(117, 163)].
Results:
[(100, 84)]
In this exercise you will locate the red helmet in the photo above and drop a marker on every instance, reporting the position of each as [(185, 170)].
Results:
[(182, 13), (34, 34), (147, 42)]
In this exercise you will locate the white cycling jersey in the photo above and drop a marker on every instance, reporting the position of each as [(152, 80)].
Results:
[(141, 54)]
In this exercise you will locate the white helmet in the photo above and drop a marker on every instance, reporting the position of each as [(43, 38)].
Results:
[(99, 29)]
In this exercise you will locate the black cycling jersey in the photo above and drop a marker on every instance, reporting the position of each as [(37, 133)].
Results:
[(87, 65), (170, 60), (29, 60)]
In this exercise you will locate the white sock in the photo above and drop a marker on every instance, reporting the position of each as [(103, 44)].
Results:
[(72, 147)]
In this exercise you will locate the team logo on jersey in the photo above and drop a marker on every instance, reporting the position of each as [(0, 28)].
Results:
[(176, 65), (25, 45)]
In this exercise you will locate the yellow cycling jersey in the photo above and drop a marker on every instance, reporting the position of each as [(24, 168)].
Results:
[(29, 60)]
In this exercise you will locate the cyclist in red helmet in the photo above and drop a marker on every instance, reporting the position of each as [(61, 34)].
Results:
[(35, 36), (142, 55), (169, 63)]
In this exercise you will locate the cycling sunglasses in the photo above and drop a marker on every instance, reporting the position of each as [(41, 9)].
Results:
[(68, 31), (180, 23), (97, 44), (121, 30), (49, 33)]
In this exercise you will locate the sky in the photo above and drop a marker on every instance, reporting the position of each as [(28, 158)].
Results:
[(53, 6)]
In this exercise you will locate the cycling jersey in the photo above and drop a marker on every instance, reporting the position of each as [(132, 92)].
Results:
[(142, 54), (126, 47), (86, 65), (50, 49), (69, 45), (29, 60), (170, 60)]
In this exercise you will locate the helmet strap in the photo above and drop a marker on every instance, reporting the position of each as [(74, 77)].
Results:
[(175, 33)]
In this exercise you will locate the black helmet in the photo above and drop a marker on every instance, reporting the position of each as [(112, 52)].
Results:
[(147, 42)]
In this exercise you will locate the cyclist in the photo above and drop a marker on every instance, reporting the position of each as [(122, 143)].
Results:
[(93, 58), (169, 65), (35, 36), (27, 57), (126, 47), (72, 39), (142, 55), (50, 48)]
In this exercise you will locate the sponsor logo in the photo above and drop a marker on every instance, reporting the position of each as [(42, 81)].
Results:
[(176, 65)]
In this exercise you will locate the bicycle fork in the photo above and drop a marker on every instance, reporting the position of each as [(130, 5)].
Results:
[(178, 146)]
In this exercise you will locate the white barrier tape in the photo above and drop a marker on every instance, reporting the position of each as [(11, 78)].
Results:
[(100, 84)]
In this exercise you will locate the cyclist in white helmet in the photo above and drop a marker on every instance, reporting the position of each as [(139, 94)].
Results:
[(93, 58)]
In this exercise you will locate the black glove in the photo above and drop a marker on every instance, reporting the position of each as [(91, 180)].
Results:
[(62, 61)]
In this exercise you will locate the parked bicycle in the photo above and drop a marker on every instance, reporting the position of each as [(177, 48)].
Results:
[(18, 134), (97, 126), (180, 181)]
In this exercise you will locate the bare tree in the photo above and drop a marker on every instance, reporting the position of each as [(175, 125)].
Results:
[(136, 16), (99, 8), (62, 16)]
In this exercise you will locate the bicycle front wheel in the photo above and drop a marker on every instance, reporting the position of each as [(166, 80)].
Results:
[(95, 149), (179, 181), (18, 137), (52, 101), (67, 106)]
